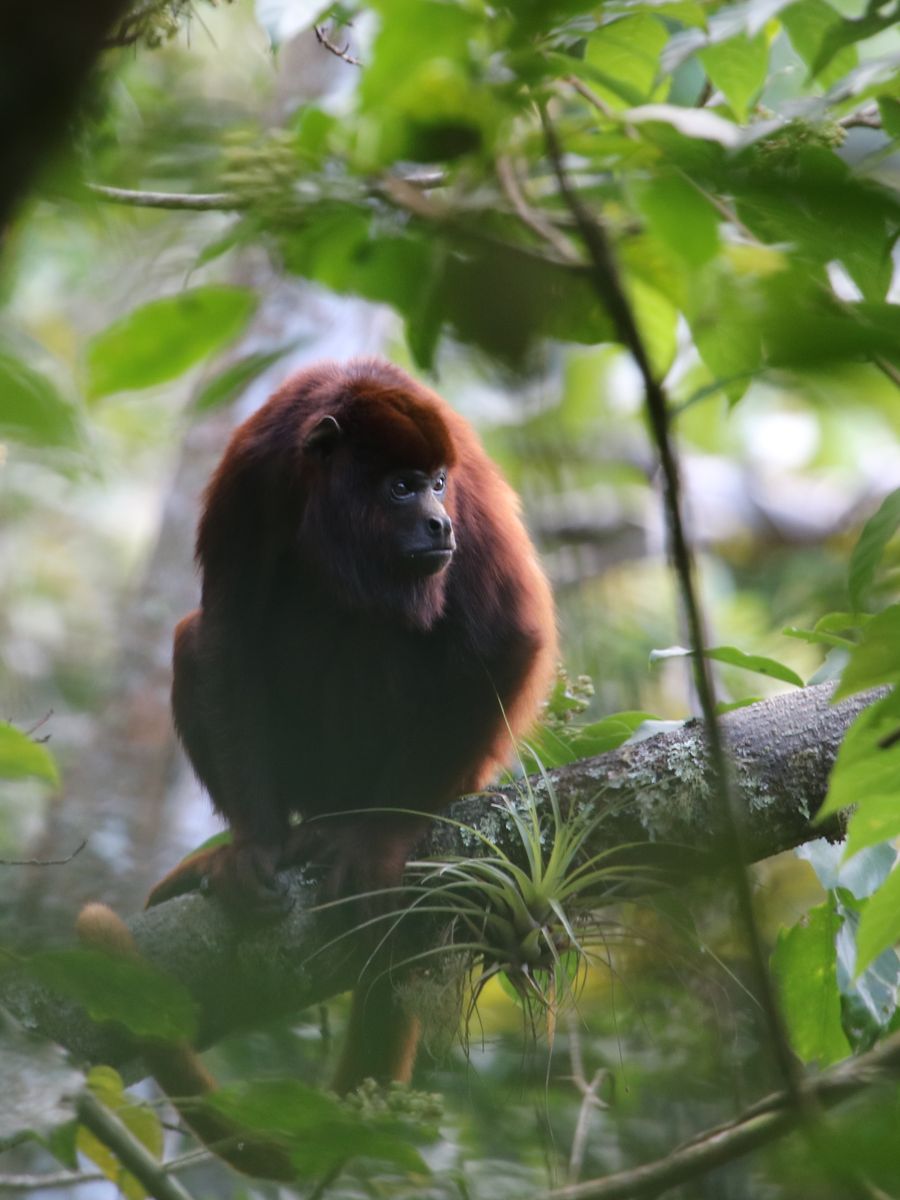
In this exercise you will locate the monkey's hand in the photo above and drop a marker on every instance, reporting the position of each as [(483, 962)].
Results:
[(241, 874), (363, 858)]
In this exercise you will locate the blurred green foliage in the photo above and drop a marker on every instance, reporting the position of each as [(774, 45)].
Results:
[(744, 160)]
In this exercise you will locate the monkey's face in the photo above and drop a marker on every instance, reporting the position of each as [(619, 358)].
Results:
[(379, 536), (417, 520)]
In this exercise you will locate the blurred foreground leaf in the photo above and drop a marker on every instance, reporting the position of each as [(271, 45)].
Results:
[(162, 339)]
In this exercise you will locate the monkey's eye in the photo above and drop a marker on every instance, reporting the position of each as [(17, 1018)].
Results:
[(400, 489), (439, 484)]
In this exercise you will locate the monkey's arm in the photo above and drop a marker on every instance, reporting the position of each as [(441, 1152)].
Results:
[(221, 718)]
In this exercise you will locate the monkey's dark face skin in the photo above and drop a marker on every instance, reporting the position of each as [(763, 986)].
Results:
[(423, 530)]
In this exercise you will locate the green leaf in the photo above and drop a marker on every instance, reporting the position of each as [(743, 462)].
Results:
[(876, 820), (22, 758), (818, 639), (319, 1133), (848, 32), (879, 925), (737, 67), (657, 320), (556, 745), (726, 332), (867, 553), (39, 1084), (230, 383), (810, 24), (876, 660), (826, 631), (138, 1119), (680, 216), (736, 658), (148, 1003), (804, 963), (624, 54), (867, 767), (163, 338), (31, 409), (890, 115)]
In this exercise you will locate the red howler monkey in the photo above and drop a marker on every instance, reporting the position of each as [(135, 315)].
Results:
[(374, 630)]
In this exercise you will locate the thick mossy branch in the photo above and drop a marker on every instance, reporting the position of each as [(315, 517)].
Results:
[(651, 797)]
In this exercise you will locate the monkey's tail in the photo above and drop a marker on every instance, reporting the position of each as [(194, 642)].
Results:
[(178, 1070)]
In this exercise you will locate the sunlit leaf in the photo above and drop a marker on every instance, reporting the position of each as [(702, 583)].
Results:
[(163, 338), (625, 54), (138, 1119), (23, 758), (737, 67), (693, 123), (804, 963)]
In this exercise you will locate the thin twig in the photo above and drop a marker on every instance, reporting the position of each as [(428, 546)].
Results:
[(764, 1121), (43, 862), (866, 118), (131, 1153), (39, 722), (323, 39), (59, 1179), (531, 217), (199, 202), (590, 1101), (608, 284)]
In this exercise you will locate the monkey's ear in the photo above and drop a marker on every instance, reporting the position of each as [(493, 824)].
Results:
[(323, 438)]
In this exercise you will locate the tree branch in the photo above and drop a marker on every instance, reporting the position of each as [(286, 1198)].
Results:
[(653, 797), (760, 1124), (131, 1153)]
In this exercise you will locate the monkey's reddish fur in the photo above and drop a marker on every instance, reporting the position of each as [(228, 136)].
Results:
[(317, 679)]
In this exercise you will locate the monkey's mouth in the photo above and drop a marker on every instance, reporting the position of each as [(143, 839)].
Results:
[(430, 561)]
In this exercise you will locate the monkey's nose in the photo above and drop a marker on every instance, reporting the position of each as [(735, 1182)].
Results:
[(440, 530)]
